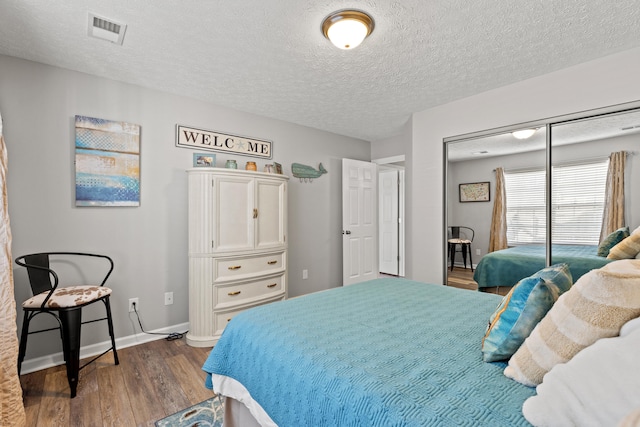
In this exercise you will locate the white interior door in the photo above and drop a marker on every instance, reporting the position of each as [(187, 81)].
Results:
[(359, 221), (389, 221)]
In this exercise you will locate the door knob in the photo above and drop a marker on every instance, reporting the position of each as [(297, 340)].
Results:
[(346, 232)]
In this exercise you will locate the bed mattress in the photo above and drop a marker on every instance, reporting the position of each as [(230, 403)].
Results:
[(389, 352)]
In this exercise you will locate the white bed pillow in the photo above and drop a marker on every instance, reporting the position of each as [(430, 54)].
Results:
[(599, 386)]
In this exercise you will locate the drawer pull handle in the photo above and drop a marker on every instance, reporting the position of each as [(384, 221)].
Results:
[(234, 293), (235, 267), (272, 285), (255, 213), (272, 262)]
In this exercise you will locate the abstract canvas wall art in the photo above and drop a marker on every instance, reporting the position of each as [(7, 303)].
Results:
[(107, 163)]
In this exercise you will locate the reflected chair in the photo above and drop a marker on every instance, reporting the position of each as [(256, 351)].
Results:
[(463, 236), (65, 305)]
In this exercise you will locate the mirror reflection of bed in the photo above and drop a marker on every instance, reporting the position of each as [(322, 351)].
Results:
[(579, 153)]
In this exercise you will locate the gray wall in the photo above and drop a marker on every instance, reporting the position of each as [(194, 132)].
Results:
[(149, 243), (607, 81), (478, 215)]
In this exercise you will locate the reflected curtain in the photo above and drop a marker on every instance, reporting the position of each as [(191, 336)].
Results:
[(613, 215), (11, 406), (498, 237)]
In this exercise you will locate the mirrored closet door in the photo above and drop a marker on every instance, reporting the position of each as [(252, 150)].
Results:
[(547, 185)]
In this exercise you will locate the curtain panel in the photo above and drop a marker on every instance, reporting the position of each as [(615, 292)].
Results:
[(498, 235), (613, 215), (11, 406)]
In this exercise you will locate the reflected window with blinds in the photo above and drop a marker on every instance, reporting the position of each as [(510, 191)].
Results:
[(577, 194)]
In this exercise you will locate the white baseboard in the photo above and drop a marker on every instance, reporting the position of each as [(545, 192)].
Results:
[(44, 362)]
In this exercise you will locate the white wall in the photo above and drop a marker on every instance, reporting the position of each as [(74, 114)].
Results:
[(478, 215), (603, 82), (149, 243)]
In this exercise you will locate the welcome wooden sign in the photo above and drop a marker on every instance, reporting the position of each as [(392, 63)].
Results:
[(189, 137)]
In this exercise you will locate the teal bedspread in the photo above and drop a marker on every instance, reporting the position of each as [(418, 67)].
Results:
[(389, 352), (508, 266)]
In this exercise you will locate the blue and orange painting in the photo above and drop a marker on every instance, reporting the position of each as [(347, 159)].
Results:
[(107, 163)]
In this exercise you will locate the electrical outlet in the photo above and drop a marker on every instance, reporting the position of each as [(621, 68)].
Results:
[(305, 274), (133, 301), (477, 251), (168, 298)]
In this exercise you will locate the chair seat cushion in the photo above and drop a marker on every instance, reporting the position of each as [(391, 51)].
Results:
[(460, 241), (71, 296)]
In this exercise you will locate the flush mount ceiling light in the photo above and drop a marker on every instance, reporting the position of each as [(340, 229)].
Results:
[(347, 28), (524, 133)]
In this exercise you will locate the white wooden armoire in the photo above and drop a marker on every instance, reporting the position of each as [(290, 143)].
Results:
[(237, 246)]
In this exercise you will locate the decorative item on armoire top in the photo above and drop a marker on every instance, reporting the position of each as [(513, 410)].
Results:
[(268, 168), (107, 162), (204, 160), (188, 137), (231, 164), (251, 166), (474, 192), (307, 173), (277, 168)]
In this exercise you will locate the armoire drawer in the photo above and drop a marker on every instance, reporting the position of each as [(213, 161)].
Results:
[(235, 268), (247, 292), (221, 319)]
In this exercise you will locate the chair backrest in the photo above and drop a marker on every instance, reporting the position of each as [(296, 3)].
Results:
[(39, 278), (461, 232), (42, 278)]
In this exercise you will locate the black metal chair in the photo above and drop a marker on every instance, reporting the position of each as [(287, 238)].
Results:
[(463, 236), (65, 305)]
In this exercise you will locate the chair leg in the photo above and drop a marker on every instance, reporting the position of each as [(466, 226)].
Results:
[(452, 253), (463, 248), (23, 340), (107, 305), (470, 258), (71, 324)]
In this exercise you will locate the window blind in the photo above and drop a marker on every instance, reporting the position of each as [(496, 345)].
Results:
[(577, 204)]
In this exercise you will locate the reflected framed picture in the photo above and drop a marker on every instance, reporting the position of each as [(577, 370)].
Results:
[(475, 192), (204, 160)]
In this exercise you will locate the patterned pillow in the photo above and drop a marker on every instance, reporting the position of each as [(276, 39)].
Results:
[(628, 248), (596, 307), (521, 310), (611, 240)]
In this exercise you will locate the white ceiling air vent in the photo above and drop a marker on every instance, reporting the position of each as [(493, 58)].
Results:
[(106, 29)]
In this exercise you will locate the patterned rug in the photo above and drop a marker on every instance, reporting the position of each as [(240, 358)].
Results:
[(205, 414)]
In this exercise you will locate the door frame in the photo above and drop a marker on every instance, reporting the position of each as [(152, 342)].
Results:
[(397, 162)]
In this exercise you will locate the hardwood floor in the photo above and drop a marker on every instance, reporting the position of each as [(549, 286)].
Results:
[(461, 278), (153, 380)]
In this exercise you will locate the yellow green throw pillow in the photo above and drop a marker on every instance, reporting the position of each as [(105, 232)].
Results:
[(521, 310), (627, 248)]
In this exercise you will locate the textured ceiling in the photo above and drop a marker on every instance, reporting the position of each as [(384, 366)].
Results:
[(270, 57)]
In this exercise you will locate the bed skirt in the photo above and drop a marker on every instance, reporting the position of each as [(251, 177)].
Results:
[(240, 409)]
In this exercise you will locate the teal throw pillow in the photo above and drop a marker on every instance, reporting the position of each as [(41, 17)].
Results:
[(611, 240), (522, 309)]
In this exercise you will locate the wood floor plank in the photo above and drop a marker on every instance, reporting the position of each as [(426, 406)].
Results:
[(168, 391), (85, 408), (32, 389), (55, 405), (114, 401), (140, 388), (184, 370)]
